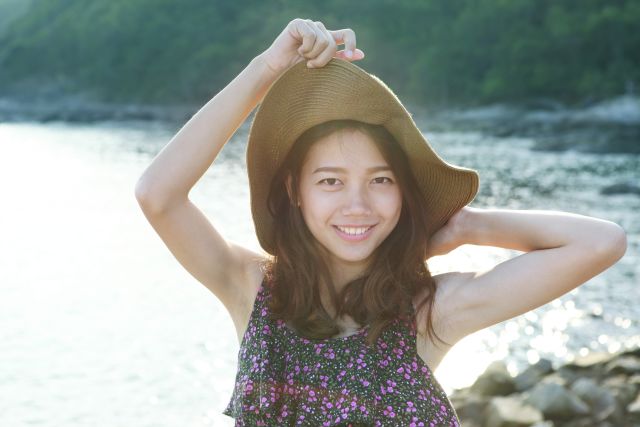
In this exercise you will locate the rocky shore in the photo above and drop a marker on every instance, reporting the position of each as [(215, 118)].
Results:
[(611, 126), (81, 110), (599, 390)]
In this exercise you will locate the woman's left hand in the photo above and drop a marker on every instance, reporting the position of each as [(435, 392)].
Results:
[(449, 236)]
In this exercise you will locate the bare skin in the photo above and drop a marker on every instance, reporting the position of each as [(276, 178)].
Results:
[(562, 250), (342, 185)]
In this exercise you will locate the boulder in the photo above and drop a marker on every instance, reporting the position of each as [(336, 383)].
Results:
[(601, 400), (555, 401), (494, 381), (533, 374), (511, 411)]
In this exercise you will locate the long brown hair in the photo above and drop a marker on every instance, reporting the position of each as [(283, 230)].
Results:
[(385, 291)]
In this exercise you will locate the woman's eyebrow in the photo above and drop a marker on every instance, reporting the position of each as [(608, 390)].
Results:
[(343, 170)]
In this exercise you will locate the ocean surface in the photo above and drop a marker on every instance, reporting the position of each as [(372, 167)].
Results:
[(101, 326)]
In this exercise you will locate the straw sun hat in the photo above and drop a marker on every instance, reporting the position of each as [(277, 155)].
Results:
[(303, 97)]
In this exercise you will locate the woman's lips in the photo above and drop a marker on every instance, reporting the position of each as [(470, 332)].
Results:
[(354, 237)]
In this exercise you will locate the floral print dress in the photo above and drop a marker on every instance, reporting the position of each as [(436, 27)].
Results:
[(284, 379)]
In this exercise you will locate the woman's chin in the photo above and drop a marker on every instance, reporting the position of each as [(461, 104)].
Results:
[(352, 259)]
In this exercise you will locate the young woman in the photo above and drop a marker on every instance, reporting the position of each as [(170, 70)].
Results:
[(340, 321)]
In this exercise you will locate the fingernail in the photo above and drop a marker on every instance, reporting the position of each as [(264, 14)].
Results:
[(349, 53)]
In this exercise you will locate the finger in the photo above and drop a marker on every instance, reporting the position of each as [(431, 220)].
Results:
[(321, 40), (357, 54), (324, 49), (347, 37), (308, 37)]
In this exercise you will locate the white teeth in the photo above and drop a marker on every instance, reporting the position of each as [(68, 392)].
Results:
[(353, 231)]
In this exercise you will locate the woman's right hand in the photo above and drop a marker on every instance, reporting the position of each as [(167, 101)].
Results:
[(303, 39)]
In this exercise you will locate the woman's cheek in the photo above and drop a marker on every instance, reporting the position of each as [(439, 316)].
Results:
[(391, 200)]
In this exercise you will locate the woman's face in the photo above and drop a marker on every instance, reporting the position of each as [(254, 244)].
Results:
[(349, 198)]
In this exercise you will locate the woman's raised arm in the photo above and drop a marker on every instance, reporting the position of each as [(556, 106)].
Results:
[(563, 251), (226, 269), (229, 271), (188, 155)]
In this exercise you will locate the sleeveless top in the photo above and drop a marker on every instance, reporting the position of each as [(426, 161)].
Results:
[(284, 379)]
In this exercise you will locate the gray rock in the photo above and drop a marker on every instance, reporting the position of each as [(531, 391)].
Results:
[(570, 373), (554, 401), (622, 390), (532, 375), (494, 381), (585, 422), (511, 411), (559, 378), (627, 365), (633, 410), (469, 407), (591, 359), (635, 351), (601, 400), (598, 390)]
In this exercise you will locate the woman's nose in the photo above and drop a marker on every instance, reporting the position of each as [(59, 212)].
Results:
[(357, 202)]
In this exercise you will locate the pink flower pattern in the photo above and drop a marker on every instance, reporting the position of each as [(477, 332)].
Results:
[(285, 379)]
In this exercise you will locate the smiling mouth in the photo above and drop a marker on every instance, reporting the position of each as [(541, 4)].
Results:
[(354, 231)]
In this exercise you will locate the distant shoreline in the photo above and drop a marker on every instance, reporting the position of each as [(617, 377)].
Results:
[(611, 126), (82, 111)]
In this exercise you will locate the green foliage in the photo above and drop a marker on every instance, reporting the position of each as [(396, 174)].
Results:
[(436, 52), (10, 10)]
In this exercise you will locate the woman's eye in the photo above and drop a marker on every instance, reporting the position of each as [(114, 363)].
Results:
[(380, 180), (330, 181)]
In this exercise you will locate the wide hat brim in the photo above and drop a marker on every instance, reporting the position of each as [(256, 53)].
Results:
[(303, 97)]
